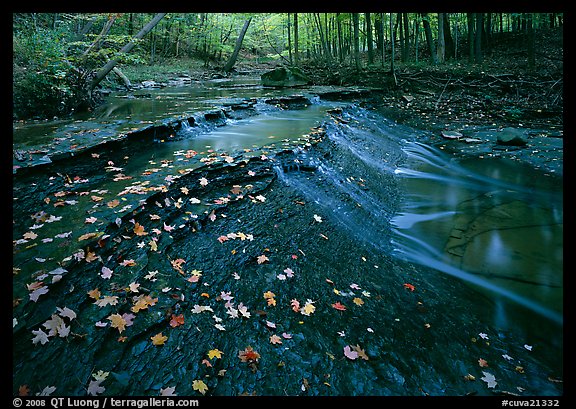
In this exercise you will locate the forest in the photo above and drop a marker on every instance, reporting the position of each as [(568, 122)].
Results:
[(59, 59), (287, 204)]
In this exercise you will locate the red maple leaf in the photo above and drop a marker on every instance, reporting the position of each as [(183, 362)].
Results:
[(409, 286), (339, 306), (176, 320)]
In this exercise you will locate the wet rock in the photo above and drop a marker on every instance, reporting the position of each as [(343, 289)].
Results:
[(511, 137), (284, 77), (451, 134), (290, 102)]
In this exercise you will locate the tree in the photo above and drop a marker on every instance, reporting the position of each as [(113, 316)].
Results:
[(369, 39), (356, 22), (530, 43), (429, 39), (100, 75), (232, 60), (296, 55), (441, 46), (478, 38)]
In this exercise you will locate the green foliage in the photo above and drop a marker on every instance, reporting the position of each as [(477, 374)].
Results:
[(43, 78)]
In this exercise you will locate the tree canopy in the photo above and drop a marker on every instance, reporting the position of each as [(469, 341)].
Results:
[(55, 55)]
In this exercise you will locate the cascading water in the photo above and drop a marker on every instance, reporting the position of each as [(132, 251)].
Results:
[(482, 226)]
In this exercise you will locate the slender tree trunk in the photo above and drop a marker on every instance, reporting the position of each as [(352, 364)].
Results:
[(392, 67), (100, 75), (448, 41), (416, 38), (289, 40), (441, 46), (234, 56), (356, 21), (369, 39), (478, 38), (96, 43), (339, 34), (530, 43), (470, 17), (406, 46), (296, 54)]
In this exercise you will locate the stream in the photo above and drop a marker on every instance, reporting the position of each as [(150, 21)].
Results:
[(473, 245)]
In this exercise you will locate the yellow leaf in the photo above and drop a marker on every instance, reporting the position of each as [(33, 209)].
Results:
[(113, 203), (159, 339), (269, 294), (357, 301), (95, 294), (215, 353), (308, 308), (153, 245), (199, 386), (117, 322)]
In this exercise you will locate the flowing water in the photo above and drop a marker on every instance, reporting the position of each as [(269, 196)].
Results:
[(493, 224)]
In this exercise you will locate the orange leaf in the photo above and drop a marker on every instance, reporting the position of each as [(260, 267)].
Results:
[(409, 286), (483, 363), (139, 230), (248, 355)]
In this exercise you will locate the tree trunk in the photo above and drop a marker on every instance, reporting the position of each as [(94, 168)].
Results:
[(441, 46), (429, 39), (530, 43), (369, 39), (96, 43), (448, 41), (406, 46), (100, 75), (239, 40), (392, 67), (356, 21), (478, 38), (289, 40), (296, 55), (470, 17)]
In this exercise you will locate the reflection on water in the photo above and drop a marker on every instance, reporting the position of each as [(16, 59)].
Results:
[(492, 222)]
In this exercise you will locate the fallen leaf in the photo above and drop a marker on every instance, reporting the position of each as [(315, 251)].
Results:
[(489, 379), (262, 259), (483, 363), (357, 301), (275, 339), (308, 308), (159, 339), (176, 320), (409, 286), (94, 388), (361, 353), (118, 322), (203, 181), (249, 355), (199, 386), (215, 353), (139, 230), (339, 306), (169, 391), (295, 305), (106, 273), (349, 353)]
